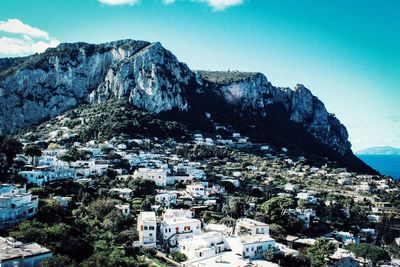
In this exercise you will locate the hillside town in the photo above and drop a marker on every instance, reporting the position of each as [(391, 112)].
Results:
[(209, 201)]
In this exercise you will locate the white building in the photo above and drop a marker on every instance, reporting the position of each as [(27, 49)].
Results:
[(307, 196), (90, 167), (124, 208), (159, 176), (15, 254), (125, 193), (251, 246), (251, 227), (291, 187), (166, 198), (177, 225), (203, 246), (147, 228), (15, 206), (42, 175), (196, 189)]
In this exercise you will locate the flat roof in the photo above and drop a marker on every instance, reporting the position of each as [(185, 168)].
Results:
[(226, 259), (11, 249), (148, 215)]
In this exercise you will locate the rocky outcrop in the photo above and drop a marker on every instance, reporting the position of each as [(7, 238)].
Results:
[(256, 93), (38, 87), (42, 86)]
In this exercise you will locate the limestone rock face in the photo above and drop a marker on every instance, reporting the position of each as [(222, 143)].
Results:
[(41, 86), (256, 93)]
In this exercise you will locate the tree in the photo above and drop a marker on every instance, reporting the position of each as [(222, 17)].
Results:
[(369, 252), (100, 208), (320, 251), (236, 206), (58, 261), (302, 204), (50, 211), (32, 151), (142, 187), (275, 207), (10, 147), (178, 256)]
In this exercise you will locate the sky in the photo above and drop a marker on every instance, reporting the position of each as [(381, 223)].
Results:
[(346, 52)]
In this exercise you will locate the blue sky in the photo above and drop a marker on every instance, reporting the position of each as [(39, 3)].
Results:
[(346, 52)]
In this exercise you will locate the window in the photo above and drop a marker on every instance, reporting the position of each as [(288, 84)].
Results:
[(186, 228), (166, 230), (145, 228), (247, 249), (151, 227), (150, 234)]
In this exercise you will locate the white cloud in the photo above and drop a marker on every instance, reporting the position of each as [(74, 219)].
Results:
[(23, 39), (219, 5), (18, 27), (119, 2)]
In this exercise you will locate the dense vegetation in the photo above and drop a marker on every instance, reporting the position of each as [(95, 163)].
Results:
[(106, 120), (225, 77)]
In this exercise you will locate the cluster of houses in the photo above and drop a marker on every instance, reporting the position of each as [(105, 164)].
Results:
[(183, 182), (178, 230)]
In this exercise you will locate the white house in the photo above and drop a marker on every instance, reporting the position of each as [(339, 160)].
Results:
[(124, 208), (196, 189), (166, 198), (147, 228), (204, 245), (159, 176), (42, 175), (15, 206), (291, 187), (251, 227), (177, 225), (125, 193), (15, 253), (90, 167), (307, 196), (251, 246)]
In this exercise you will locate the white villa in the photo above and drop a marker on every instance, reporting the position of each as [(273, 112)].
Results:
[(196, 190), (166, 198), (204, 245), (125, 209), (15, 206), (177, 225), (125, 193), (251, 246), (43, 174), (159, 176), (147, 228), (251, 226)]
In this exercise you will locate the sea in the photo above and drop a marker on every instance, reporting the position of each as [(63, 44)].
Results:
[(385, 164)]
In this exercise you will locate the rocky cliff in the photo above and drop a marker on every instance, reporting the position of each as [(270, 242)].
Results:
[(256, 93), (41, 86)]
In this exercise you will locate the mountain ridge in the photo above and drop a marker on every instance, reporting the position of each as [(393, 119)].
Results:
[(42, 86)]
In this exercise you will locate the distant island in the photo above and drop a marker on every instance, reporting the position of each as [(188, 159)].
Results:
[(382, 150)]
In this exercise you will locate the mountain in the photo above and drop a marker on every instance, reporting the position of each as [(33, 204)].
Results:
[(37, 88), (380, 150)]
